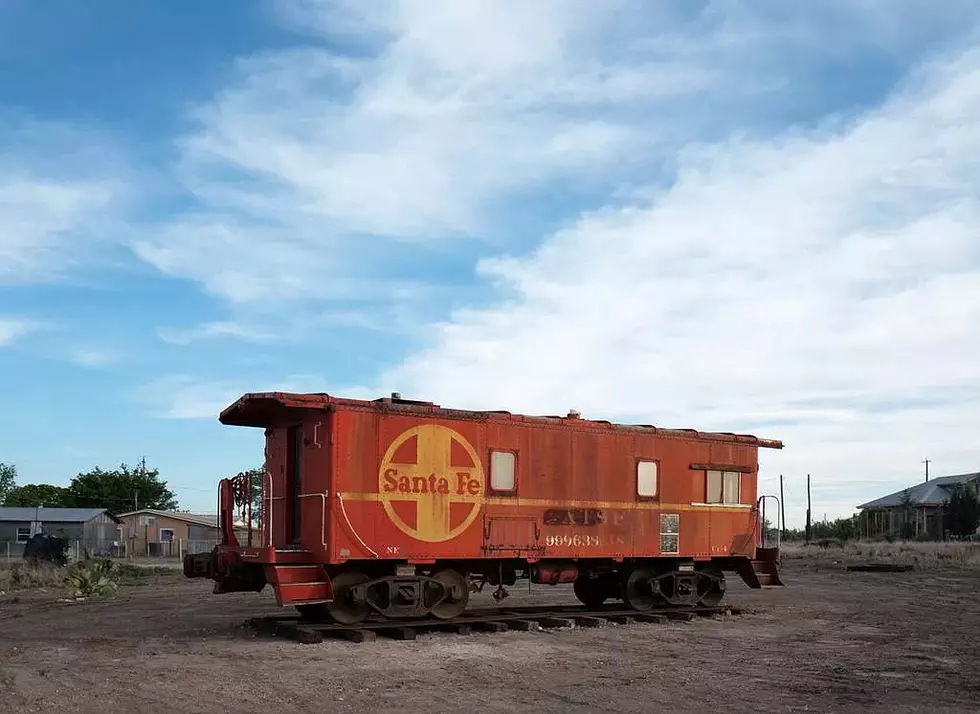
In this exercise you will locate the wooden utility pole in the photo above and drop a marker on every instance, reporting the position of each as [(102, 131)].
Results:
[(808, 509), (782, 508), (136, 498)]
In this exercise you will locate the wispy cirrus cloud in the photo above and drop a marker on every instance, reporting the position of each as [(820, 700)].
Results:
[(94, 357), (183, 396), (700, 215), (320, 175), (61, 191), (216, 330), (13, 328), (821, 286)]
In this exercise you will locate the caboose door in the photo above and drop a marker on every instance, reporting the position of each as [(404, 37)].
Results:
[(294, 482)]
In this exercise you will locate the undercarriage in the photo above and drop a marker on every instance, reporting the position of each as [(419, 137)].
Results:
[(356, 591), (444, 593)]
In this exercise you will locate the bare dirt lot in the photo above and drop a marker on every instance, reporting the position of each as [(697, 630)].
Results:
[(830, 640)]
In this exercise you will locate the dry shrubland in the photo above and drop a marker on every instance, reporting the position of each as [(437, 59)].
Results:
[(20, 576), (83, 576), (921, 555)]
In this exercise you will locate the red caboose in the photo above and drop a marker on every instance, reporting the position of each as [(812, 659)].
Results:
[(401, 508)]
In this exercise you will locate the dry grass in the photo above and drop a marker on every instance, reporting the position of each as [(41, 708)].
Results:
[(922, 556), (20, 576)]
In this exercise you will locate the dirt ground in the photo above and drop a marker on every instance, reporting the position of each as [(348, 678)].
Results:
[(830, 640)]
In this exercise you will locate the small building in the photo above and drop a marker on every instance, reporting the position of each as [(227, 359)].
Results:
[(149, 532), (92, 529), (916, 510)]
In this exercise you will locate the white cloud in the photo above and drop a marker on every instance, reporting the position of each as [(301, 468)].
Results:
[(60, 189), (822, 287), (215, 330), (94, 357), (13, 328), (816, 285), (187, 397), (312, 162)]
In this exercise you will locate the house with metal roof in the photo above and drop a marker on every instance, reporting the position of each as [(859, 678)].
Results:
[(918, 509), (93, 528), (151, 532)]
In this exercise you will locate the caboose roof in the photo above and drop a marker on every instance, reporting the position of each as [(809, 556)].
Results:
[(264, 409)]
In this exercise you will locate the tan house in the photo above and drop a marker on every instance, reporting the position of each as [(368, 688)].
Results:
[(149, 532)]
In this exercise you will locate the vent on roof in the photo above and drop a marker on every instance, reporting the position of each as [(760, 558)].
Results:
[(396, 398)]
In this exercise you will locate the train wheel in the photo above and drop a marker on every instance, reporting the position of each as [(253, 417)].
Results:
[(457, 597), (637, 592), (316, 611), (591, 592), (711, 592), (343, 609)]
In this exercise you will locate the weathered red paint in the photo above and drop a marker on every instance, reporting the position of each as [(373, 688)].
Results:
[(389, 480)]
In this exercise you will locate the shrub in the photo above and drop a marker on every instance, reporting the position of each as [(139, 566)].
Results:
[(93, 579), (23, 576), (923, 556)]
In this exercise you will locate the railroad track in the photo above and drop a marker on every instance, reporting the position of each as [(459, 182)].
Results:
[(524, 619)]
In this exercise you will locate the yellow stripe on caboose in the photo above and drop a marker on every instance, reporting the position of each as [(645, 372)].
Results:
[(517, 501)]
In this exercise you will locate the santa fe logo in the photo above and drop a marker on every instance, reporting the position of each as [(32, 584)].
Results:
[(431, 483)]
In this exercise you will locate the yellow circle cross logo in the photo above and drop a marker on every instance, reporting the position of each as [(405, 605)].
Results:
[(437, 470)]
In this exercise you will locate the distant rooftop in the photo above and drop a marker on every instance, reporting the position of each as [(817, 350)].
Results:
[(51, 515), (926, 493), (201, 519)]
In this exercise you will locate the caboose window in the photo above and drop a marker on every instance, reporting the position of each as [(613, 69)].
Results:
[(723, 487), (502, 472), (646, 478)]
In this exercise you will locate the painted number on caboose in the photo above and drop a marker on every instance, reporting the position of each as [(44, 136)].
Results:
[(582, 540), (577, 540)]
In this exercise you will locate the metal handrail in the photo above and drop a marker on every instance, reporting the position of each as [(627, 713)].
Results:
[(268, 512), (761, 520), (323, 514)]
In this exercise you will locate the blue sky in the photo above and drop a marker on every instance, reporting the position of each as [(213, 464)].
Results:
[(723, 215)]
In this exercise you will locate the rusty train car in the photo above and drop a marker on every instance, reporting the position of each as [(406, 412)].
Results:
[(403, 508)]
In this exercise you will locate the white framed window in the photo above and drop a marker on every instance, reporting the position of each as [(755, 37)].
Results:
[(23, 534), (724, 487), (646, 478), (166, 534), (146, 520), (503, 472)]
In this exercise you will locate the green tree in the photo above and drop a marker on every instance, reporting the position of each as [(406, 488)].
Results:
[(8, 480), (121, 490), (255, 476), (38, 494), (962, 513)]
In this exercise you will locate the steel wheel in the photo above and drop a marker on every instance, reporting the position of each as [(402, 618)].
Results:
[(316, 611), (590, 592), (456, 599), (711, 592), (637, 592), (343, 609)]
